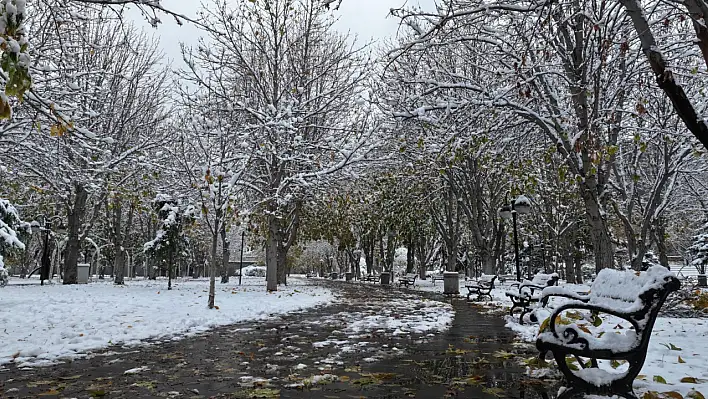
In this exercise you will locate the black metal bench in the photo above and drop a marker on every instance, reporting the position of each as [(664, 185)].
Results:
[(374, 278), (528, 293), (634, 297), (483, 286), (503, 278), (407, 280)]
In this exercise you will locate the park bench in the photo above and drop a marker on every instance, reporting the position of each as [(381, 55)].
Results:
[(503, 278), (632, 296), (483, 286), (407, 280), (526, 293), (374, 278), (438, 276)]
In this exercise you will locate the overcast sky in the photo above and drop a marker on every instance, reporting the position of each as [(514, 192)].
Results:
[(366, 19)]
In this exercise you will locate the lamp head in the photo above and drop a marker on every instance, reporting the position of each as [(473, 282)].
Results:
[(522, 205), (505, 212)]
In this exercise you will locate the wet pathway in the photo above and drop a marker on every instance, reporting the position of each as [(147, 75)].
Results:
[(335, 351)]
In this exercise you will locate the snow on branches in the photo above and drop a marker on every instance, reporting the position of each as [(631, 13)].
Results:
[(10, 223), (14, 59), (699, 249)]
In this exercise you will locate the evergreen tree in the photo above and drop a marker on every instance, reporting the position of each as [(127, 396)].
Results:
[(699, 250), (169, 238), (10, 226)]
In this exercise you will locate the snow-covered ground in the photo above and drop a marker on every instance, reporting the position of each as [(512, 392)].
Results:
[(43, 325)]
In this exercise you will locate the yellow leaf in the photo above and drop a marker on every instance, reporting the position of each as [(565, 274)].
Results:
[(651, 395), (689, 380), (673, 394), (544, 324), (659, 379), (681, 360)]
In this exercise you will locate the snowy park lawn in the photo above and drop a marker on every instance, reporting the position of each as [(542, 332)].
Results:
[(43, 325)]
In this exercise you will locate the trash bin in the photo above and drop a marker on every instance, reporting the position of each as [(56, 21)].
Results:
[(333, 275), (349, 276), (452, 283), (82, 275), (385, 278), (702, 280)]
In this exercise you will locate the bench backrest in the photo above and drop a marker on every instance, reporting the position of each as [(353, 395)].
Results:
[(487, 278), (411, 276), (543, 279), (633, 292)]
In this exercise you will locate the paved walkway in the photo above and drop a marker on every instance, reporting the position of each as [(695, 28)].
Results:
[(309, 354)]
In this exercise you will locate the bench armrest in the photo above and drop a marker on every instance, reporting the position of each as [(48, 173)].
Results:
[(549, 292), (532, 286), (587, 306)]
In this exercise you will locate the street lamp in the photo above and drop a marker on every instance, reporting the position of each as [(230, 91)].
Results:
[(36, 227), (521, 206)]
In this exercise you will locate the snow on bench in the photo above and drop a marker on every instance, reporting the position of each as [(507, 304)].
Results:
[(528, 292), (632, 296), (483, 286)]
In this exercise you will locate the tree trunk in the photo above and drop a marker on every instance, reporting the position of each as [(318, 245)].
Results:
[(638, 256), (489, 262), (410, 255), (226, 254), (368, 248), (119, 266), (602, 242), (282, 264), (578, 267), (119, 260), (212, 269), (568, 259), (170, 268), (660, 238), (421, 250), (390, 250), (272, 254), (75, 219)]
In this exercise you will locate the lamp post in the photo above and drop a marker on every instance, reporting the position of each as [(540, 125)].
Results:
[(520, 206), (45, 226)]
